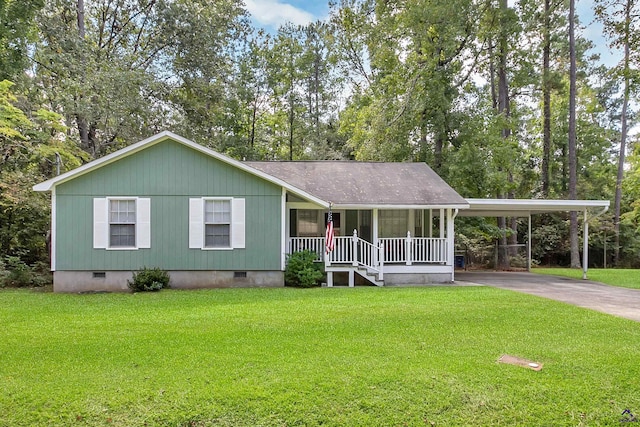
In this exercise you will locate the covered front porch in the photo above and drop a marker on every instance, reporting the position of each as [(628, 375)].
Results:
[(384, 245)]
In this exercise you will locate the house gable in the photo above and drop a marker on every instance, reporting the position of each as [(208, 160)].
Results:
[(168, 168)]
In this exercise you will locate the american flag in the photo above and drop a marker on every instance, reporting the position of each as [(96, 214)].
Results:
[(328, 237)]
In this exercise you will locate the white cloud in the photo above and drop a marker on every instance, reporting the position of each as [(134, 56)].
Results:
[(275, 13)]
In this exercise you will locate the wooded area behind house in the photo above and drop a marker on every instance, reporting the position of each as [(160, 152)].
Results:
[(501, 101)]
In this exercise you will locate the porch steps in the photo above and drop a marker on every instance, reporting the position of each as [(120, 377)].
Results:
[(370, 275), (367, 273)]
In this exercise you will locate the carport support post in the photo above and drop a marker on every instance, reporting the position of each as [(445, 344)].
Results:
[(585, 246)]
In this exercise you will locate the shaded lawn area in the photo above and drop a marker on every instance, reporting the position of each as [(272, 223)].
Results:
[(622, 277), (364, 356)]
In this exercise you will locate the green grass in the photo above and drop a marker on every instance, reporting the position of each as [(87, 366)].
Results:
[(333, 357), (622, 277)]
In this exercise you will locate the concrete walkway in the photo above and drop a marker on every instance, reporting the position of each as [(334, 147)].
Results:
[(620, 302)]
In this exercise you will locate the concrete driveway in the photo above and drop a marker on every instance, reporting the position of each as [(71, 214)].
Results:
[(620, 302)]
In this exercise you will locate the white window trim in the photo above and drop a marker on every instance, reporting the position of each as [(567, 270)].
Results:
[(197, 224), (142, 225), (204, 224)]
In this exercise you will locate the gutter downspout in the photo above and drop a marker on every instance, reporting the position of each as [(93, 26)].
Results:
[(585, 240)]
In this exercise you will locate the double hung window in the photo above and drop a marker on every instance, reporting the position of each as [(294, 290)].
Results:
[(217, 223), (122, 223)]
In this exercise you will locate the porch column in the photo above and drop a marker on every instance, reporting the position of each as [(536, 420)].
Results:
[(374, 226), (442, 223), (411, 222), (430, 223), (450, 243)]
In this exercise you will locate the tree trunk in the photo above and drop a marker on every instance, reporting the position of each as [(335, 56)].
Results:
[(83, 125), (291, 120), (252, 133), (80, 15), (623, 135), (437, 152), (504, 110), (492, 77), (546, 99), (573, 166)]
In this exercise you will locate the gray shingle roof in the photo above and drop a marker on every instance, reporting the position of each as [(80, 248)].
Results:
[(365, 183)]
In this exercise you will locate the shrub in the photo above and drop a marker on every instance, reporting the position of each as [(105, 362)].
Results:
[(302, 271), (149, 280), (16, 272), (4, 273)]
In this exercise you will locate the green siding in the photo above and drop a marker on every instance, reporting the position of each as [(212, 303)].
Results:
[(169, 173)]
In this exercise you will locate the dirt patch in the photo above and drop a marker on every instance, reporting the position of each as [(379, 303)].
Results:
[(519, 361)]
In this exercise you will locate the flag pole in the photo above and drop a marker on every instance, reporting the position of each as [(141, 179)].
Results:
[(329, 233)]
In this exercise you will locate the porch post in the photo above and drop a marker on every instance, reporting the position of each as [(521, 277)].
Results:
[(411, 222), (430, 226), (354, 248), (374, 232), (450, 244), (407, 248), (442, 223), (381, 260), (585, 246)]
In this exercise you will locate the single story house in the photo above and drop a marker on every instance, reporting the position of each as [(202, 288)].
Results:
[(212, 221)]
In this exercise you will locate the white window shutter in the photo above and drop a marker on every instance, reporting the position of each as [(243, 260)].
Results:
[(237, 225), (143, 219), (100, 223), (196, 224)]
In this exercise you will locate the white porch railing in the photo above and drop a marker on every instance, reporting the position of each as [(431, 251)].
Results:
[(394, 250), (313, 244), (409, 250)]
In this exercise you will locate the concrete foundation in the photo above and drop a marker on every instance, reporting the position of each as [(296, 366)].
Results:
[(391, 279), (116, 281)]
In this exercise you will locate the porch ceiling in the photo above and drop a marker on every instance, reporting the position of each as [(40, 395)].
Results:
[(525, 207)]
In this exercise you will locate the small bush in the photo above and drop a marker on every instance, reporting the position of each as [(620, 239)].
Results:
[(4, 273), (16, 272), (149, 280), (302, 271)]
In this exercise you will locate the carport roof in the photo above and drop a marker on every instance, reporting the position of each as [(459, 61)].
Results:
[(526, 207)]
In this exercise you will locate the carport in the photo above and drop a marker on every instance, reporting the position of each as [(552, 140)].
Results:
[(524, 208)]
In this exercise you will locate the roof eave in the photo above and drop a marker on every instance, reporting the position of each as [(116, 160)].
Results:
[(354, 206), (518, 207)]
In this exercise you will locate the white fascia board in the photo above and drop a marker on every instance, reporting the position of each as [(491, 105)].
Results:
[(383, 207), (134, 148), (489, 207)]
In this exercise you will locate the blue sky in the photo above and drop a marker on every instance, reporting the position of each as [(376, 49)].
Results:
[(270, 14)]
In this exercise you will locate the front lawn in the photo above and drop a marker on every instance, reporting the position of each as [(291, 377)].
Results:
[(623, 277), (334, 357)]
